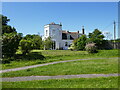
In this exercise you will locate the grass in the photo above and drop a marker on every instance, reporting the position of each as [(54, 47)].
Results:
[(58, 55), (101, 82), (97, 66)]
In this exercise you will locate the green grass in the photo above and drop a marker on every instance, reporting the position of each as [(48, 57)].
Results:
[(58, 55), (68, 68), (102, 82)]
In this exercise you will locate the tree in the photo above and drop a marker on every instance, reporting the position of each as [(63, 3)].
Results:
[(97, 37), (48, 43), (5, 20), (6, 28), (30, 42), (74, 45), (26, 46), (10, 43), (81, 42), (36, 40), (10, 39)]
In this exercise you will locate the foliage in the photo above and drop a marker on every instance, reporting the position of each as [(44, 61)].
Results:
[(74, 44), (30, 42), (91, 48), (6, 28), (97, 37), (72, 47), (81, 42), (5, 20), (10, 40), (36, 40), (48, 43), (10, 44), (26, 46)]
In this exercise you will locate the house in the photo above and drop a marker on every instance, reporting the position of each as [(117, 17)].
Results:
[(62, 39)]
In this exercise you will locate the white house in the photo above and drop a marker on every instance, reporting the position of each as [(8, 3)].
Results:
[(62, 38)]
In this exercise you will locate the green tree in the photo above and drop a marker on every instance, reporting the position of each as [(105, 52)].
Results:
[(36, 40), (74, 44), (10, 38), (10, 43), (81, 42), (97, 37), (48, 43), (25, 46), (30, 42), (6, 28)]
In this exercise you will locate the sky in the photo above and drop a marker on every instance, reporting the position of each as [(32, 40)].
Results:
[(30, 17)]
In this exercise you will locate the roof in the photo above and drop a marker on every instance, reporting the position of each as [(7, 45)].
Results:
[(52, 23), (70, 32)]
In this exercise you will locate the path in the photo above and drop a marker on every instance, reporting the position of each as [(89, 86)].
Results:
[(29, 78), (39, 65)]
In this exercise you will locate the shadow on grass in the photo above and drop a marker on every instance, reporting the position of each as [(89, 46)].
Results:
[(30, 56), (20, 57)]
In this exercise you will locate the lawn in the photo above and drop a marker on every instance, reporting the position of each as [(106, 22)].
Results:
[(101, 82), (96, 66), (58, 55)]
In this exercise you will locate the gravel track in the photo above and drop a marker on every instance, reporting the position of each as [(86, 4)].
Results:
[(29, 78)]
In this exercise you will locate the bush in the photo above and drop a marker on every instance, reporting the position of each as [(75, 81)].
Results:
[(91, 48), (81, 42)]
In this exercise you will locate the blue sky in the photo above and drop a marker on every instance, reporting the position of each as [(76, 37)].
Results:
[(30, 17)]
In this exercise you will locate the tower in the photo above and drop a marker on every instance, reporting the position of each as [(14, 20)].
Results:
[(55, 32)]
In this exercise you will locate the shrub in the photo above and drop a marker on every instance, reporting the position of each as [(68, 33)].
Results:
[(91, 48), (81, 42), (26, 46)]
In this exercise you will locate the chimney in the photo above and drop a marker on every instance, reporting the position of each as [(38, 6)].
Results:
[(78, 31), (83, 30), (60, 24)]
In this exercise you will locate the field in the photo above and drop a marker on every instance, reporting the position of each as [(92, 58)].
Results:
[(96, 66), (59, 55), (107, 65), (109, 82)]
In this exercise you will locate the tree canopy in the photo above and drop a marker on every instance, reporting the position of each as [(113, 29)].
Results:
[(97, 37), (10, 38)]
